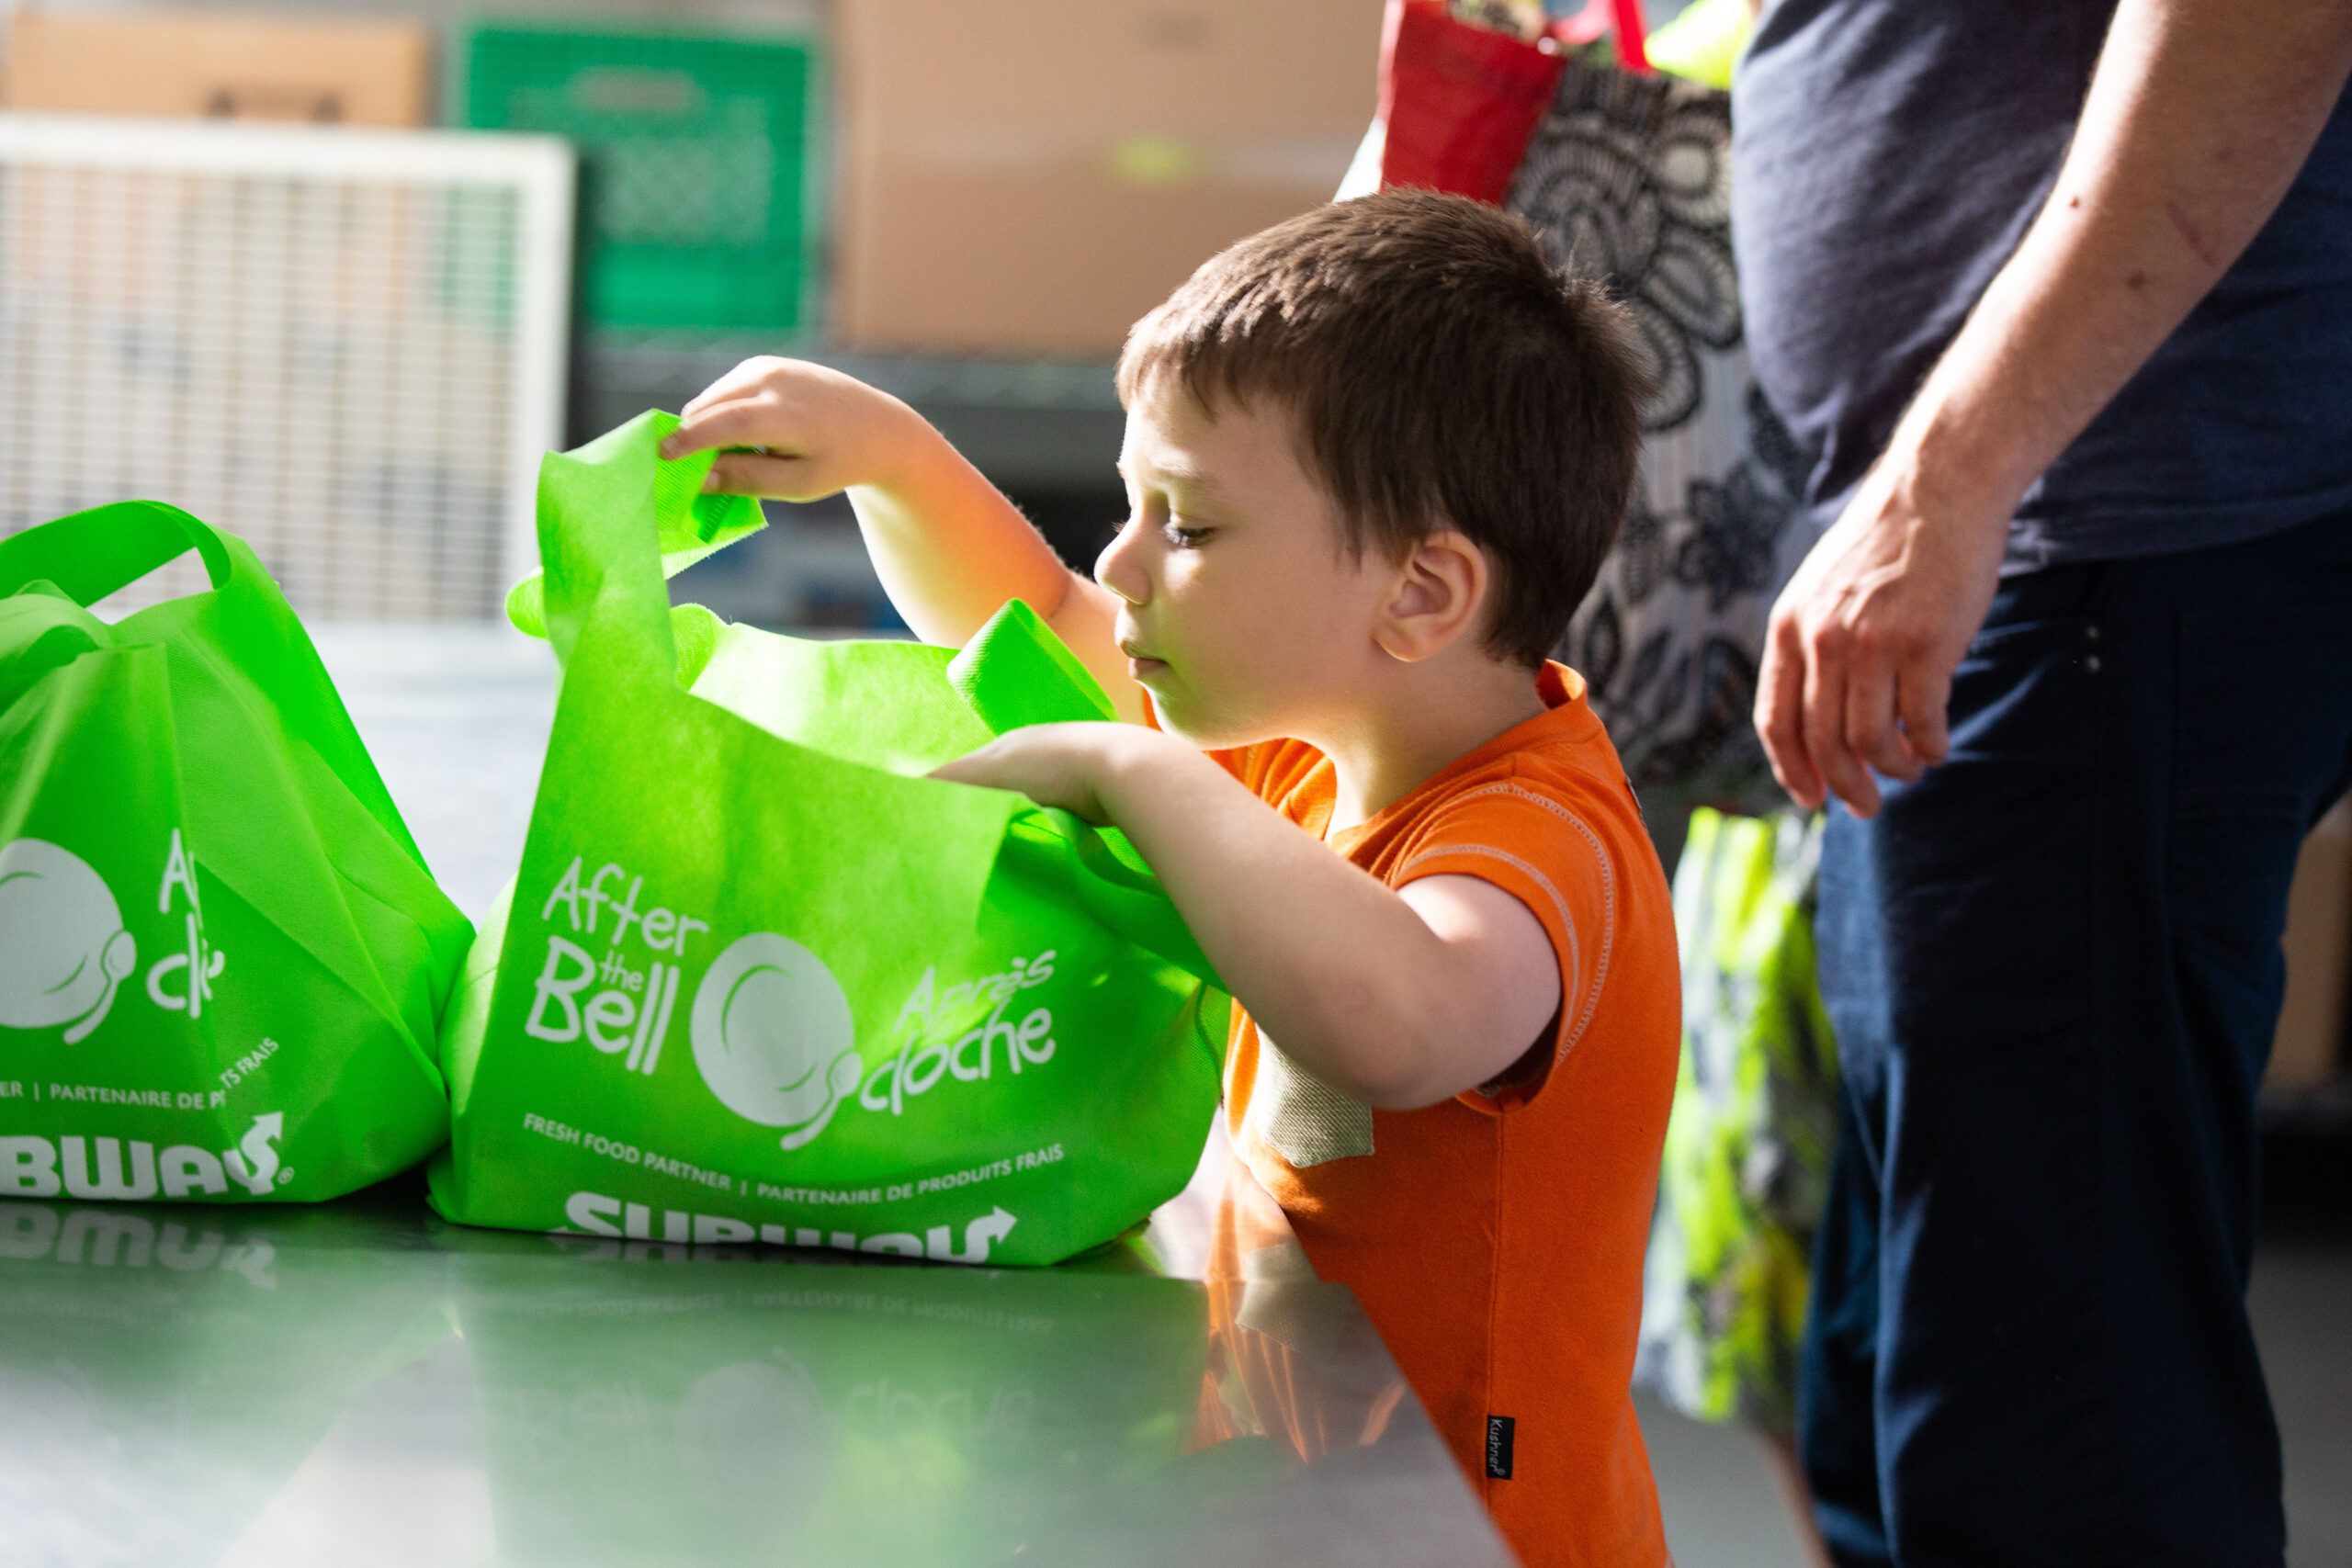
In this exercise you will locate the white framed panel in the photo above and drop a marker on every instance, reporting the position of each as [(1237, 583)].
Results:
[(347, 346)]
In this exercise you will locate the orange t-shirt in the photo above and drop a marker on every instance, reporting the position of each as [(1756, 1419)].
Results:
[(1495, 1240)]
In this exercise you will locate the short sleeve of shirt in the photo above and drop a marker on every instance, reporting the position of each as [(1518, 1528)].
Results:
[(1530, 843)]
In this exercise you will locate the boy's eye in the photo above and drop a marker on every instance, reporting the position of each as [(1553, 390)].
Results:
[(1184, 537)]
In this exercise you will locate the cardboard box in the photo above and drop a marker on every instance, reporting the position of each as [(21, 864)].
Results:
[(2319, 954), (1028, 176), (372, 72)]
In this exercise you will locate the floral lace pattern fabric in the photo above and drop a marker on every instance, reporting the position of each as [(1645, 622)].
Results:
[(1629, 181)]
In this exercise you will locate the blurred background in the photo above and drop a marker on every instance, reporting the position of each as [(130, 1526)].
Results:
[(355, 364)]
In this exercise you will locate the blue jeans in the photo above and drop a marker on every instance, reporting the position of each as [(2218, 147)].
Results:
[(2053, 967)]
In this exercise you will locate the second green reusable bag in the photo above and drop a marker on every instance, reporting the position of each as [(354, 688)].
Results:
[(760, 979), (223, 961)]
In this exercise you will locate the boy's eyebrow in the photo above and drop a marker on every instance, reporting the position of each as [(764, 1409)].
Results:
[(1193, 480)]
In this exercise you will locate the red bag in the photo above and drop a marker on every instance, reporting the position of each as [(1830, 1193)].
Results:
[(1460, 102)]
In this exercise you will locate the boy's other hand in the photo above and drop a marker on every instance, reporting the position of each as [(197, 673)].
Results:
[(816, 431), (1055, 764)]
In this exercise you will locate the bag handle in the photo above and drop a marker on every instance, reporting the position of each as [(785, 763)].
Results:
[(85, 556), (1623, 17), (1633, 36), (593, 504), (91, 554), (1016, 672)]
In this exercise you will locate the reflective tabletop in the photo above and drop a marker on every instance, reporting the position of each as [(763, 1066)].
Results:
[(360, 1384)]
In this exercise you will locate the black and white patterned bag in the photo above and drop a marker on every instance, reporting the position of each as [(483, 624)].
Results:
[(1629, 181)]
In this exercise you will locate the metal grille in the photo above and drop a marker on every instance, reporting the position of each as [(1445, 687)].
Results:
[(345, 347)]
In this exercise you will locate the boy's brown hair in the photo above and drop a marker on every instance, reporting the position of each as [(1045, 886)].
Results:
[(1442, 372)]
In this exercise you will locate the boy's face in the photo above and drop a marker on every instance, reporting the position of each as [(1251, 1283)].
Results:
[(1242, 612)]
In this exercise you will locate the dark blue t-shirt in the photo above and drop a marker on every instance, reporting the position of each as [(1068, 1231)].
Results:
[(1889, 155)]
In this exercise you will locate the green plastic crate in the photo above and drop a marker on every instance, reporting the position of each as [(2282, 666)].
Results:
[(700, 161)]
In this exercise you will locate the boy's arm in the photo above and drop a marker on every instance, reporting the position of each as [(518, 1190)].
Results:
[(949, 548), (1400, 999)]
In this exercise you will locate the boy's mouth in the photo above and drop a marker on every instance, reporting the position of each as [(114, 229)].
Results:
[(1139, 663)]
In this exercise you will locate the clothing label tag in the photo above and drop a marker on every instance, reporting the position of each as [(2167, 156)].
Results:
[(1499, 1436)]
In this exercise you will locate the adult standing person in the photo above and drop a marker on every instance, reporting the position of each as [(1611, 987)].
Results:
[(2059, 293)]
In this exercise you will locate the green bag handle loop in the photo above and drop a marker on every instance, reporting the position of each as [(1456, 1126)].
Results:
[(1016, 672), (89, 555), (41, 629), (85, 556)]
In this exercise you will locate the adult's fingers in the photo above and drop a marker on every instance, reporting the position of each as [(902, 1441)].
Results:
[(1871, 733), (1923, 698), (1826, 677), (1780, 713), (779, 478)]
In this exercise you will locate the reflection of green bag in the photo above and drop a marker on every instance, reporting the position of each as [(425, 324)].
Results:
[(221, 958), (653, 1410), (1747, 1148), (166, 1369), (759, 978)]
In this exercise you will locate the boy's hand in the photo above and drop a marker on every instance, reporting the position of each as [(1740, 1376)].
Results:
[(1057, 764), (819, 432), (949, 549), (1397, 999)]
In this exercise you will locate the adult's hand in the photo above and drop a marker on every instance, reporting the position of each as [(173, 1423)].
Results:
[(1858, 657), (2199, 115)]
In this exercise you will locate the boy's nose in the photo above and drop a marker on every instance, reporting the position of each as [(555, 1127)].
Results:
[(1120, 568)]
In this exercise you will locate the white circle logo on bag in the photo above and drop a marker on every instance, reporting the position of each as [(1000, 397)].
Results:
[(773, 1036), (64, 951)]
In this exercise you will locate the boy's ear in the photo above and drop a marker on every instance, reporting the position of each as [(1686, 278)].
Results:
[(1440, 597)]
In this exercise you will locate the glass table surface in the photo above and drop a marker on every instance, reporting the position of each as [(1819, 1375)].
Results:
[(360, 1384)]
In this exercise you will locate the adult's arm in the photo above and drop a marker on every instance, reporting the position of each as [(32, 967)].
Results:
[(2199, 115)]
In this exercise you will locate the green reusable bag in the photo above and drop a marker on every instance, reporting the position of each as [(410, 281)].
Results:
[(759, 979), (1747, 1148), (223, 961)]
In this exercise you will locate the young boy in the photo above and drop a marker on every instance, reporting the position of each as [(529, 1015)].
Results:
[(1374, 457)]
